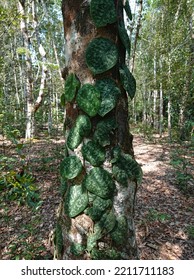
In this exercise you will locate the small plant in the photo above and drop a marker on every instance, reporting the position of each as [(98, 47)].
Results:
[(20, 188), (183, 166), (154, 215)]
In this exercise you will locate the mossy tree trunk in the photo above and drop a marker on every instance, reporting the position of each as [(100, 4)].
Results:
[(99, 174)]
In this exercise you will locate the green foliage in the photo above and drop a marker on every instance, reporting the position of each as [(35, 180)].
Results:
[(72, 84), (92, 240), (74, 138), (77, 249), (100, 182), (103, 12), (120, 175), (20, 188), (124, 37), (99, 206), (70, 167), (88, 99), (125, 168), (76, 200), (93, 153), (103, 131), (109, 95), (154, 215), (23, 51), (183, 170), (119, 232), (83, 124), (81, 128), (106, 254), (101, 55), (128, 81), (63, 186), (58, 239), (107, 222)]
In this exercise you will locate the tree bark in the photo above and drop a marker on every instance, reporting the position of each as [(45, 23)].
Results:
[(140, 3), (74, 234), (28, 75)]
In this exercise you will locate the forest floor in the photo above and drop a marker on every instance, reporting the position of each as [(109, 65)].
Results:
[(164, 212)]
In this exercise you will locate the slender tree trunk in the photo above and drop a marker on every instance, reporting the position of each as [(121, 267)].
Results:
[(155, 96), (169, 100), (161, 110), (111, 234), (140, 5), (28, 74), (46, 12)]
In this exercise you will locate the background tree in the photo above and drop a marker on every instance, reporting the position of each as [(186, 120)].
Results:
[(98, 175), (31, 51), (163, 67)]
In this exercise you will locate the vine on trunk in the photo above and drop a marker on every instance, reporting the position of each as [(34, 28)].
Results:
[(89, 184)]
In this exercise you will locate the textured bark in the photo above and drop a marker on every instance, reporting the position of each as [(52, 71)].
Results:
[(79, 30)]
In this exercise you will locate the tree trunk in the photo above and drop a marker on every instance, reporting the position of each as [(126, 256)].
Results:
[(28, 75), (161, 117), (96, 215), (140, 3), (161, 110)]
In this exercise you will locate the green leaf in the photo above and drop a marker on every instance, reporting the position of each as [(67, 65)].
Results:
[(124, 37), (63, 99), (127, 80), (103, 130), (107, 222), (120, 175), (93, 153), (88, 99), (126, 167), (77, 249), (109, 95), (119, 232), (98, 208), (103, 12), (100, 182), (70, 167), (72, 84), (101, 55), (83, 124), (75, 201), (59, 238), (81, 128), (74, 138)]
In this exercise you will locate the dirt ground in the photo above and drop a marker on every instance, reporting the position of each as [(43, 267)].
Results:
[(162, 213)]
